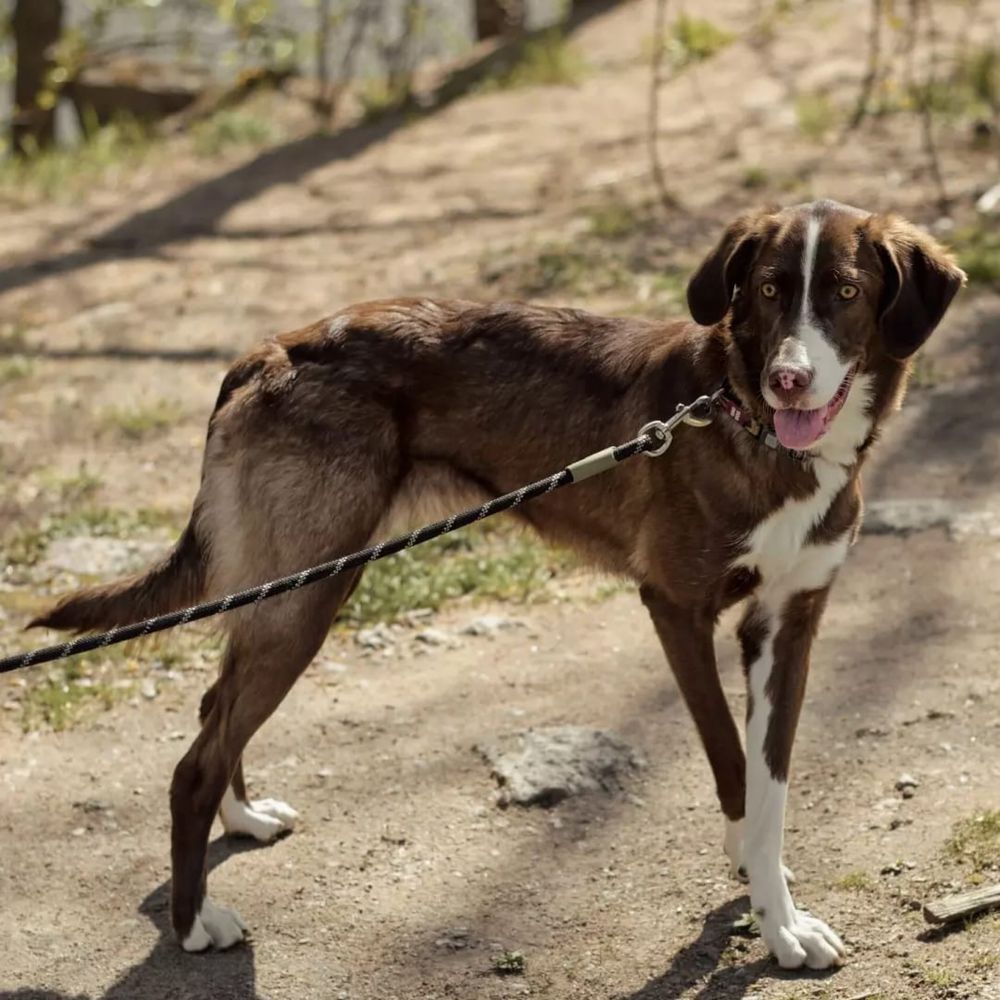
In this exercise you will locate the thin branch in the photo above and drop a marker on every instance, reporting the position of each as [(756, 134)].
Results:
[(324, 97), (668, 200), (925, 108), (874, 67)]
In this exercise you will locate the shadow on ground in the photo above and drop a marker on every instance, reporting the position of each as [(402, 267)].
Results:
[(198, 210), (169, 972)]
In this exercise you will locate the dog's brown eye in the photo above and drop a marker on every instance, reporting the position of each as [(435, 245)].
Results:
[(848, 292), (769, 290)]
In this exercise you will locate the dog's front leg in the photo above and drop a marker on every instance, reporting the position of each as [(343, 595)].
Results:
[(777, 662), (686, 637)]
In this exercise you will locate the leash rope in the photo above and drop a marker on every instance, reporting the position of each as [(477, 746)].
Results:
[(654, 439)]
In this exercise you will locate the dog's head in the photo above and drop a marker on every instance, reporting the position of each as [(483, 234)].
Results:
[(817, 294)]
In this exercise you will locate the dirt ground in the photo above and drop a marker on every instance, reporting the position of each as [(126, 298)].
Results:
[(135, 294)]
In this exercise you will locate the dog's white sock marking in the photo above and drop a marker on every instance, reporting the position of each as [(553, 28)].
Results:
[(788, 566), (794, 937), (732, 844), (214, 926), (262, 819)]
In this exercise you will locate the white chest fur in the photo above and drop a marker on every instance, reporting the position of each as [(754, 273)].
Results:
[(777, 548)]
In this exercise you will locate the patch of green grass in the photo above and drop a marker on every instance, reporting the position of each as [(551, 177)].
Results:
[(380, 97), (969, 89), (694, 39), (62, 695), (977, 840), (15, 368), (12, 338), (815, 115), (546, 61), (754, 178), (614, 219), (26, 547), (924, 373), (497, 563), (81, 486), (231, 128), (972, 88), (138, 422), (509, 963), (980, 72), (581, 267), (978, 249), (64, 173), (937, 976), (985, 961), (855, 882), (558, 268)]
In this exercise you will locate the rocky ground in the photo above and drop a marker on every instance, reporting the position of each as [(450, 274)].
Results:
[(407, 876)]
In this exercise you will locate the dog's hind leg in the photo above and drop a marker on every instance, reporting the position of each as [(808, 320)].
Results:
[(269, 647), (262, 819)]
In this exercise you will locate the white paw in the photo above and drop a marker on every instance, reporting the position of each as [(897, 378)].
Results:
[(262, 819), (802, 940), (214, 926)]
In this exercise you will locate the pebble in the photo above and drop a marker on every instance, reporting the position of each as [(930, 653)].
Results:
[(490, 625), (434, 637), (454, 939), (377, 637)]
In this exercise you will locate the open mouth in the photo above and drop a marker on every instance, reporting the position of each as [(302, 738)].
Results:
[(801, 429)]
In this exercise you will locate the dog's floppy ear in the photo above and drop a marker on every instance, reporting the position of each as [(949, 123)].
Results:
[(919, 280), (710, 291)]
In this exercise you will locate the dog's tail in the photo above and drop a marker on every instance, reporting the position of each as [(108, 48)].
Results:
[(174, 582)]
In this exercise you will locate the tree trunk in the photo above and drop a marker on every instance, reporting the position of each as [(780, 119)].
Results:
[(499, 17), (37, 25)]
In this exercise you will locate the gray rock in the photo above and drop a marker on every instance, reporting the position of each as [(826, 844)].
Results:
[(545, 766), (975, 523), (988, 202), (490, 625), (434, 637), (377, 637), (901, 517), (148, 688), (85, 555), (455, 939)]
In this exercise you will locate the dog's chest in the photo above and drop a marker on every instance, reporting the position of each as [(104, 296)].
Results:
[(779, 547)]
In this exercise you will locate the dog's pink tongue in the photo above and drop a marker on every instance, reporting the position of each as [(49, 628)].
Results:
[(798, 429)]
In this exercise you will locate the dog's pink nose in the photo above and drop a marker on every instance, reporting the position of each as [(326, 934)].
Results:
[(788, 382)]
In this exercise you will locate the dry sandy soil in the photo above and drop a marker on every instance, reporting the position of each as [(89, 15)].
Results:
[(138, 290)]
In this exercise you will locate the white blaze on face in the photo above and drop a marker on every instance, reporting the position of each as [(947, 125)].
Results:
[(829, 370)]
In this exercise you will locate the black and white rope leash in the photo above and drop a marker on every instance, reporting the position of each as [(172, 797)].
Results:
[(653, 439)]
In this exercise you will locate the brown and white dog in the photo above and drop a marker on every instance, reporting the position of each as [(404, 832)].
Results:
[(327, 438)]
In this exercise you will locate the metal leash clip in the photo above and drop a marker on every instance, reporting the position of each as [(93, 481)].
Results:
[(700, 413)]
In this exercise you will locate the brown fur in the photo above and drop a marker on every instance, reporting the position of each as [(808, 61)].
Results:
[(323, 438)]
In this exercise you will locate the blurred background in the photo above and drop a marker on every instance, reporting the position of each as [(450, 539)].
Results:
[(182, 178)]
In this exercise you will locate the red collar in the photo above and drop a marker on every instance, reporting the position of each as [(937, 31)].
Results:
[(764, 433)]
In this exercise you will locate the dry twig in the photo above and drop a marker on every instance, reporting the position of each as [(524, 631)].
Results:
[(668, 200), (874, 66)]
